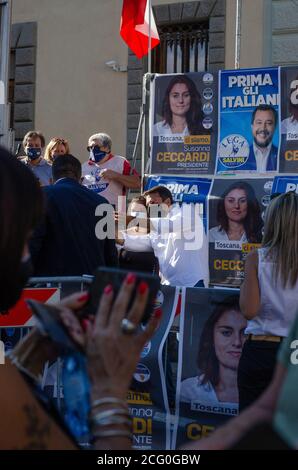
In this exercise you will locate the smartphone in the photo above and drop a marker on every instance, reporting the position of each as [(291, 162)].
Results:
[(49, 318), (104, 276)]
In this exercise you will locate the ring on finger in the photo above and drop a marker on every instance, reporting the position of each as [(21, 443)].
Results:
[(128, 327)]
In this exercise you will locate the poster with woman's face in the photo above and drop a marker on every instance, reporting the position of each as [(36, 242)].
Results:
[(183, 123), (289, 120), (148, 397), (211, 339), (236, 211)]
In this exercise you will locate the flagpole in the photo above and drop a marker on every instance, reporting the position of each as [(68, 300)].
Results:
[(149, 39)]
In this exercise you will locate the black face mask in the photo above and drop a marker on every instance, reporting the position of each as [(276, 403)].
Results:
[(12, 289)]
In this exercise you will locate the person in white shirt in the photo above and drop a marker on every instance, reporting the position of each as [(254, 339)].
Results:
[(268, 297), (178, 240), (215, 388), (135, 249), (107, 174)]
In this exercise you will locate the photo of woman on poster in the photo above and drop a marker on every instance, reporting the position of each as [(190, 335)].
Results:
[(220, 348), (238, 215), (290, 124), (181, 109)]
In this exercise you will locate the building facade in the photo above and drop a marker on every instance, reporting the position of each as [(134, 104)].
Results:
[(71, 74)]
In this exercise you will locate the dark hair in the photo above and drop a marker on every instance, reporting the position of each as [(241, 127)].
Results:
[(194, 115), (163, 192), (264, 107), (66, 166), (21, 206), (34, 135), (253, 221), (293, 108), (207, 360), (139, 200)]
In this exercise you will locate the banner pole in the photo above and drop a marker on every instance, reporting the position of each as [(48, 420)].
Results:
[(238, 34), (149, 38)]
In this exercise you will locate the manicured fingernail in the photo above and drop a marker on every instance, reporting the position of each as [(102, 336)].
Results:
[(85, 323), (84, 297), (130, 278), (108, 289), (142, 287), (158, 313)]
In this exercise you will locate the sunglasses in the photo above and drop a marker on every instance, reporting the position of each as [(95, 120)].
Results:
[(58, 140)]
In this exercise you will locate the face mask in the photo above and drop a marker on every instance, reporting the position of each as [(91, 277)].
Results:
[(139, 215), (96, 155), (13, 288), (33, 152)]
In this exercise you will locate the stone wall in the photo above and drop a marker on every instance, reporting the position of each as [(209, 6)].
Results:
[(23, 71)]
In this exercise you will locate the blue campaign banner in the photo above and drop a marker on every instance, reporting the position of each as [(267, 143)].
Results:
[(248, 121), (185, 190), (284, 184)]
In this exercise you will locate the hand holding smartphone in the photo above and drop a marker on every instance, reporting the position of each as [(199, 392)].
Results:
[(105, 276)]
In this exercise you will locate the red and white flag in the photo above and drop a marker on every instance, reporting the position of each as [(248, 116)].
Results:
[(134, 27)]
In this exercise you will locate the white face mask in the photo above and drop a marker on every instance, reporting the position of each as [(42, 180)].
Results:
[(139, 215)]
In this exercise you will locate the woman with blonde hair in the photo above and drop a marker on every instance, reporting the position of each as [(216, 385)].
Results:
[(56, 146), (268, 297)]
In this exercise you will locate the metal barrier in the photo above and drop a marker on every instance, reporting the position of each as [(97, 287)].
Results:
[(67, 284), (10, 336)]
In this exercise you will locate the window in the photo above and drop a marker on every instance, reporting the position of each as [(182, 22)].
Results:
[(183, 48)]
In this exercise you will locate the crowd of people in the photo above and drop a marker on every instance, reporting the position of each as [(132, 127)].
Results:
[(49, 208)]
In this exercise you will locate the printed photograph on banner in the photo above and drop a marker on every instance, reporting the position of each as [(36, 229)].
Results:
[(210, 345), (284, 184), (248, 139), (183, 123), (185, 190), (289, 120), (236, 214), (150, 389)]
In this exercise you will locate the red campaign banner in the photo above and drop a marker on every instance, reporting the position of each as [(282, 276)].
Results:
[(20, 314)]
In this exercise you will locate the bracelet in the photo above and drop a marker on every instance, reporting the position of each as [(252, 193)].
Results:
[(113, 433), (108, 401), (96, 419), (113, 420)]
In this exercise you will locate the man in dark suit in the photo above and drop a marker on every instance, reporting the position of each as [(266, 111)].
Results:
[(262, 153), (65, 243)]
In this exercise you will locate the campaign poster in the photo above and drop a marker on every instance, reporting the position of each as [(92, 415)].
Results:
[(185, 190), (236, 214), (148, 395), (183, 123), (211, 339), (248, 121), (289, 120), (284, 184)]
